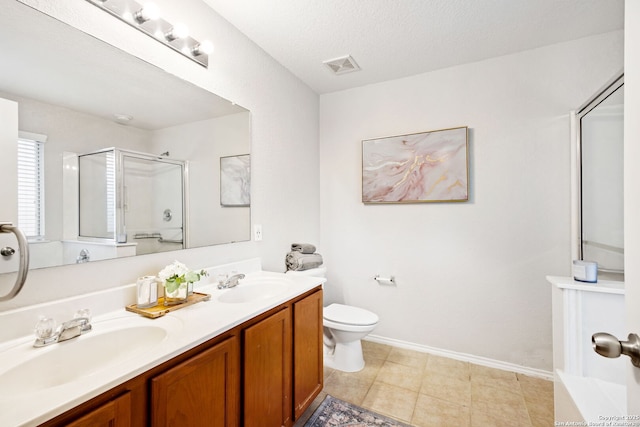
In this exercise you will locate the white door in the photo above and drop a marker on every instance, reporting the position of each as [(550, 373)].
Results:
[(8, 186), (632, 192)]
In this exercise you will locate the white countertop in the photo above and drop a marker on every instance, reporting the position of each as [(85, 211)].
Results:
[(188, 327), (603, 286)]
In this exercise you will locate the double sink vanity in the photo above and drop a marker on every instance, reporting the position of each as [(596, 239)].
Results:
[(251, 355)]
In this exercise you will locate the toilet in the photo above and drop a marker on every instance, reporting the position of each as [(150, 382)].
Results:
[(344, 327)]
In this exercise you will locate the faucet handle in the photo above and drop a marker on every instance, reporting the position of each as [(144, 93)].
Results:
[(85, 315), (45, 328), (83, 312)]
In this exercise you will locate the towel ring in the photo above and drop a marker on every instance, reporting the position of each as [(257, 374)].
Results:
[(23, 268)]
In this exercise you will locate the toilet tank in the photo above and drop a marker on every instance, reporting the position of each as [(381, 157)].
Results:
[(315, 272)]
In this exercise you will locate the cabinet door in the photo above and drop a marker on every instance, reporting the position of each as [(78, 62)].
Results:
[(201, 391), (267, 371), (116, 413), (307, 351)]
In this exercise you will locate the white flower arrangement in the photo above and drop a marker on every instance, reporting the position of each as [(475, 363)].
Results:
[(177, 273)]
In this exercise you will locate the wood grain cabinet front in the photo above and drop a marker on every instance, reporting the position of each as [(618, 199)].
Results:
[(267, 371), (308, 370), (115, 413), (283, 365), (203, 391)]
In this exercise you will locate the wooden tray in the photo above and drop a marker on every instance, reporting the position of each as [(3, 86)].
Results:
[(160, 310)]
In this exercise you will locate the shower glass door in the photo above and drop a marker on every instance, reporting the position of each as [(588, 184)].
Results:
[(135, 198), (601, 179), (153, 203)]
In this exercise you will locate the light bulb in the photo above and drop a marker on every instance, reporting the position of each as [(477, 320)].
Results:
[(204, 48), (179, 31), (148, 12)]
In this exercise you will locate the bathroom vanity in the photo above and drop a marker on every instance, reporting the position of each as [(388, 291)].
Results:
[(254, 360)]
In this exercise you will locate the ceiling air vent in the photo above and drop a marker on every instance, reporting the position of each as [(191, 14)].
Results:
[(342, 65)]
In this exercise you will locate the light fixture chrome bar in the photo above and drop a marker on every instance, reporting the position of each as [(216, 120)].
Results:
[(147, 21)]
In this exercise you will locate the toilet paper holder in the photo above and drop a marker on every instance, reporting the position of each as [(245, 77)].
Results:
[(385, 280)]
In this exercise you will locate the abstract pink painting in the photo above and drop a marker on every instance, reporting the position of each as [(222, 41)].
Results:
[(421, 167)]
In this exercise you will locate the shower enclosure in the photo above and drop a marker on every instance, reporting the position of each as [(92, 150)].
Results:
[(131, 197), (600, 171), (587, 386)]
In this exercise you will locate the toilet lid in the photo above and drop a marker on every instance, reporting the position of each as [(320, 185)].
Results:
[(349, 315)]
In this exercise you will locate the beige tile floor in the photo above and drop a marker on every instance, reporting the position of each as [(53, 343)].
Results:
[(427, 390)]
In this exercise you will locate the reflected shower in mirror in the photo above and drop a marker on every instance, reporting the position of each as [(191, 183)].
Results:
[(601, 145), (134, 200), (90, 98)]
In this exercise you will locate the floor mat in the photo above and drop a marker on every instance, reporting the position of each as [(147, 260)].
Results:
[(334, 412)]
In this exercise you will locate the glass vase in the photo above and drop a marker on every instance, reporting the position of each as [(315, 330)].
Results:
[(178, 296)]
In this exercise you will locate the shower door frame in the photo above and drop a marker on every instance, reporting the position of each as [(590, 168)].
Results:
[(119, 212), (608, 89)]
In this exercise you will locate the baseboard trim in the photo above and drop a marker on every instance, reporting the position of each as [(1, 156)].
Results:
[(478, 360)]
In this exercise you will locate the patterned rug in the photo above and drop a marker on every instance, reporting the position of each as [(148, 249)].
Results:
[(334, 412)]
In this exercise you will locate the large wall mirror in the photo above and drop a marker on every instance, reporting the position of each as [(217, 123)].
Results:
[(133, 160), (601, 172)]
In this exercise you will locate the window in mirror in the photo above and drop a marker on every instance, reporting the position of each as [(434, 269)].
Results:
[(97, 195), (31, 188)]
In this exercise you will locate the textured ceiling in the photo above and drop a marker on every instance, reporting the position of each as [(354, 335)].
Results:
[(390, 39)]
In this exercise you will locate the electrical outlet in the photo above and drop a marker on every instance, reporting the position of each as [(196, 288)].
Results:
[(257, 232)]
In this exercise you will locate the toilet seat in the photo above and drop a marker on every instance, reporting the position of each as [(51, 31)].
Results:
[(348, 315)]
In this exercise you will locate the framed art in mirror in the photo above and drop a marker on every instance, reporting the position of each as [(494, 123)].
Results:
[(235, 180)]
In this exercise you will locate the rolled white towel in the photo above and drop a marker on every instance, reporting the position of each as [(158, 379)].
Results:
[(298, 261)]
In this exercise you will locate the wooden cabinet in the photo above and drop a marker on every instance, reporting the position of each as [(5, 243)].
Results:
[(267, 371), (283, 369), (264, 372), (116, 413), (308, 373), (201, 391)]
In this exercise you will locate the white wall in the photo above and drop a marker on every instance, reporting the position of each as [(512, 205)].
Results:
[(285, 172), (631, 193), (470, 276)]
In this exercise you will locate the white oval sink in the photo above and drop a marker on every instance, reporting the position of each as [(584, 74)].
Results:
[(254, 289), (64, 362)]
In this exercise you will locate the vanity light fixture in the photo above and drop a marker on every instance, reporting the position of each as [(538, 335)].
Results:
[(146, 18), (148, 12), (204, 48), (179, 31)]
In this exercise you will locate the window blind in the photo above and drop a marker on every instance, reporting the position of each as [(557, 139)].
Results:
[(110, 182), (31, 188)]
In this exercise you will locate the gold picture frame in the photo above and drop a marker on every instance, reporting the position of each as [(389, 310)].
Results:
[(421, 167)]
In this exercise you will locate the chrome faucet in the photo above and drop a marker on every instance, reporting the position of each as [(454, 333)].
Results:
[(46, 335), (230, 282)]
